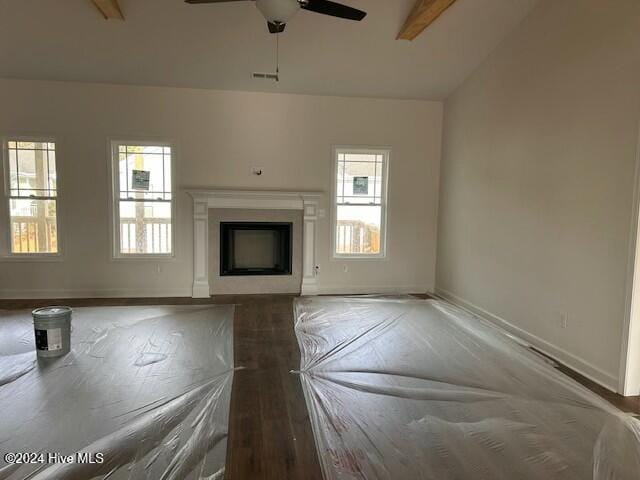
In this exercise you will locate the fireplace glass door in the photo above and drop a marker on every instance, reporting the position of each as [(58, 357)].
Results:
[(251, 248)]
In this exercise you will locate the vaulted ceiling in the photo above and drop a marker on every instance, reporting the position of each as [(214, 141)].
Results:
[(218, 46)]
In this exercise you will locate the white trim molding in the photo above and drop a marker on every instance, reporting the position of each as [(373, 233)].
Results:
[(372, 290), (55, 293), (6, 253), (366, 150), (583, 367), (115, 190), (205, 199), (629, 383)]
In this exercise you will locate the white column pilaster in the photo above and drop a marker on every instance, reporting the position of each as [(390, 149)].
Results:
[(309, 247), (200, 249)]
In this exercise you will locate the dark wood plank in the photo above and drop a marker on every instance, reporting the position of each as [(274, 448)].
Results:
[(270, 433)]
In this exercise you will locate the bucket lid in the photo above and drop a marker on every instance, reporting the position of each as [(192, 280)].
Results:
[(51, 312)]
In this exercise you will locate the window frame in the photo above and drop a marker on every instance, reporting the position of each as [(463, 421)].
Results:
[(384, 201), (114, 207), (8, 254)]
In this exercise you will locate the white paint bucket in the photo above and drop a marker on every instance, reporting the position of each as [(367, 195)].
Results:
[(52, 326)]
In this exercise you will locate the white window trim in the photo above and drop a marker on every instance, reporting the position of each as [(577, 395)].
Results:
[(8, 255), (386, 152), (114, 208)]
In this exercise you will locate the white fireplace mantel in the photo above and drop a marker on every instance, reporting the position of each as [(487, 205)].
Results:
[(204, 199)]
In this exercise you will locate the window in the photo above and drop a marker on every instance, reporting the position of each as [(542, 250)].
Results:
[(360, 202), (30, 167), (142, 199)]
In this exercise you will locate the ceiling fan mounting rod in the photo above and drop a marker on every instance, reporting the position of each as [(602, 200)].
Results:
[(277, 57)]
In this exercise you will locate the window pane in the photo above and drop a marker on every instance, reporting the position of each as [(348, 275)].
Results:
[(145, 227), (144, 172), (340, 179), (13, 170), (358, 229), (53, 179), (27, 172), (32, 169), (33, 226), (359, 179)]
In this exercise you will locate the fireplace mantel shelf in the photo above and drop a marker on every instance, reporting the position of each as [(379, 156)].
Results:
[(207, 198), (225, 192)]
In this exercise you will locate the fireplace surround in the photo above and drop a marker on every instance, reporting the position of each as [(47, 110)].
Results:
[(307, 202)]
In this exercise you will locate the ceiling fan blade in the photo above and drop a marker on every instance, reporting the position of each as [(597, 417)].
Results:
[(333, 9), (193, 2)]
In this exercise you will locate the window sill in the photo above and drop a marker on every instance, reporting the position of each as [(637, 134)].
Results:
[(359, 258), (143, 258)]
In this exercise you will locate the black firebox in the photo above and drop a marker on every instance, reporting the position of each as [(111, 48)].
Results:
[(255, 248)]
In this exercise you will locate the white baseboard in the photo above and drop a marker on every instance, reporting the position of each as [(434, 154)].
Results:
[(370, 289), (583, 367), (32, 294), (200, 290), (309, 290)]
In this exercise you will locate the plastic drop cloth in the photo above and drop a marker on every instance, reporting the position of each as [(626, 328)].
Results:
[(146, 387), (417, 389)]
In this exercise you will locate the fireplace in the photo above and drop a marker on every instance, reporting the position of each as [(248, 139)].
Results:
[(255, 248), (211, 207)]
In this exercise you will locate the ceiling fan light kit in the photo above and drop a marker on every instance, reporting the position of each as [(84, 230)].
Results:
[(278, 12)]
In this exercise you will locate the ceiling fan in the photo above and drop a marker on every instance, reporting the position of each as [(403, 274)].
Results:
[(279, 12)]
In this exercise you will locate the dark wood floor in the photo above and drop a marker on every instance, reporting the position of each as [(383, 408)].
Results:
[(270, 434), (626, 404)]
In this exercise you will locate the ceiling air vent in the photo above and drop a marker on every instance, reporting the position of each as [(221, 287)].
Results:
[(267, 76)]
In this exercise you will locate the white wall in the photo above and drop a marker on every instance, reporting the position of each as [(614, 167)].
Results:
[(219, 136), (537, 181)]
